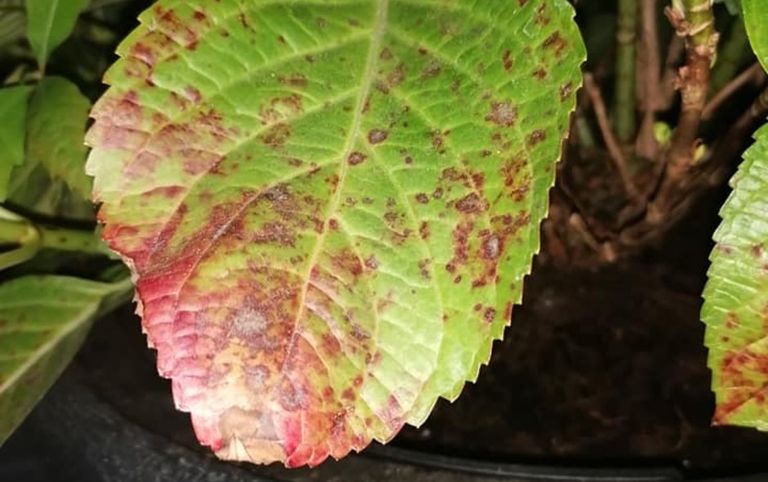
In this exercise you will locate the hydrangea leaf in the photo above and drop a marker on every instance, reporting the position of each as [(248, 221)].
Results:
[(329, 206), (58, 114), (49, 23), (755, 18), (736, 296), (43, 321), (13, 115)]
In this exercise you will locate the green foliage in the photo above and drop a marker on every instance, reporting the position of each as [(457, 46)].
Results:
[(49, 23), (756, 19), (13, 112), (733, 6), (736, 296), (57, 116), (345, 196), (11, 22), (43, 321)]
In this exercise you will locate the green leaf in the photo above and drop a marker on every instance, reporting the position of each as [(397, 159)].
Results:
[(12, 21), (13, 114), (755, 19), (736, 297), (49, 23), (733, 6), (329, 206), (43, 321), (58, 114)]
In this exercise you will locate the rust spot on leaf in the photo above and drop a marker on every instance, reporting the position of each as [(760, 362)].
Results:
[(536, 137), (557, 43), (377, 136), (294, 80), (356, 158), (506, 60), (502, 113), (431, 70), (424, 230), (540, 73), (565, 91), (277, 135), (489, 315), (471, 203)]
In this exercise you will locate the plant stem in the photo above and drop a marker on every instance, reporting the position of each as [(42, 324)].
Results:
[(624, 95), (733, 141), (731, 57), (53, 237), (696, 24), (593, 91), (21, 232), (753, 74), (649, 73)]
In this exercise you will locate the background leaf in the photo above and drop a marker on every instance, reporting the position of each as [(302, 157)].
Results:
[(49, 23), (43, 321), (13, 115), (12, 22), (329, 206), (57, 117), (736, 296), (756, 19)]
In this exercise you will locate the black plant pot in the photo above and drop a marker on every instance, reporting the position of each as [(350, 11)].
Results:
[(110, 417), (72, 436)]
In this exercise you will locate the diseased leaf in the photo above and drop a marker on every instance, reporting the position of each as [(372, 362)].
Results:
[(58, 114), (329, 206), (13, 114), (49, 23), (736, 296), (43, 321)]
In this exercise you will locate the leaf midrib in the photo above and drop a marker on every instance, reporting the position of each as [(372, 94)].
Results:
[(35, 356), (377, 35), (47, 36)]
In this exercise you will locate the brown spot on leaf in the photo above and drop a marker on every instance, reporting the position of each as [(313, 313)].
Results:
[(371, 262), (502, 113), (356, 158), (424, 230), (377, 136), (491, 247), (555, 42), (471, 203), (277, 135), (424, 269), (437, 141), (565, 91), (489, 314), (294, 80), (506, 60), (275, 232), (431, 70), (536, 137)]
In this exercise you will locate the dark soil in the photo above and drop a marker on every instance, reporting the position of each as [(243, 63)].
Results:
[(599, 366)]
